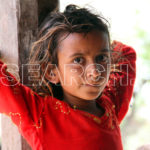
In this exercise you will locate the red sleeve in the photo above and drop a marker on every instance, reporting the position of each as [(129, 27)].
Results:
[(17, 101), (121, 82)]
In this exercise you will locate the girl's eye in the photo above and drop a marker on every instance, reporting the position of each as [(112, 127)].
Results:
[(102, 58), (78, 60)]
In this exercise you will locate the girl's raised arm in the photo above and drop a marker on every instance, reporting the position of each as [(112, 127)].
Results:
[(19, 102), (121, 82)]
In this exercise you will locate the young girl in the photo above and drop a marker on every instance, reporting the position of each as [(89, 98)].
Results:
[(83, 89)]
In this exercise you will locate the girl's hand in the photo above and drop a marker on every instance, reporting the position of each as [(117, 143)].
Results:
[(116, 54)]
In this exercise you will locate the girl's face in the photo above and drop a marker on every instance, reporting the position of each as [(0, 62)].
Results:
[(84, 64)]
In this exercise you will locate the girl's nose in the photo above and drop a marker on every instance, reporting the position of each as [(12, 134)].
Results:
[(94, 71)]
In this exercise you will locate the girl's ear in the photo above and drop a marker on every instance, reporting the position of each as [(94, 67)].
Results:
[(52, 74)]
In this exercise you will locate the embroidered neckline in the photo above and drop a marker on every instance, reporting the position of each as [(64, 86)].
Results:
[(106, 120)]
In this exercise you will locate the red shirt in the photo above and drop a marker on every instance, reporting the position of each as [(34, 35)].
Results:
[(48, 123)]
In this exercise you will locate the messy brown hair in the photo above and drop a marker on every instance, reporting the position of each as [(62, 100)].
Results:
[(56, 24)]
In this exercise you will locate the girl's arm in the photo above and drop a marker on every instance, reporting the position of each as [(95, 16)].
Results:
[(122, 78), (18, 101)]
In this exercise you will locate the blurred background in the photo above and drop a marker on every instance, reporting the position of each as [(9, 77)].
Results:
[(130, 25)]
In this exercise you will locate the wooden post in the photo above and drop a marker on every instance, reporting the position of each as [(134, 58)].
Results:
[(19, 20)]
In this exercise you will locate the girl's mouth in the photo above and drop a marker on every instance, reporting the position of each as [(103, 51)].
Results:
[(92, 85)]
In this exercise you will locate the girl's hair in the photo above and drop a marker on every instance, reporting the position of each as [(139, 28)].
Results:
[(51, 31)]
